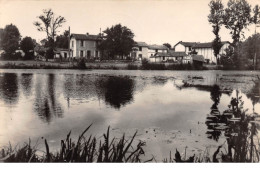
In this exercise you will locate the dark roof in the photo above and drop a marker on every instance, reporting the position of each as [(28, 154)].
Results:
[(198, 58), (198, 44), (159, 47), (176, 54), (160, 54), (85, 37), (140, 44), (58, 50), (170, 54)]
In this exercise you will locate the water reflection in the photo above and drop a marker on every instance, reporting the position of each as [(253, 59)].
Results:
[(46, 103), (116, 91), (213, 120), (236, 124), (26, 83), (9, 88)]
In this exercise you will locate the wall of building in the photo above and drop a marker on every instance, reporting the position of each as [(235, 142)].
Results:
[(88, 45), (151, 52), (208, 54), (144, 53)]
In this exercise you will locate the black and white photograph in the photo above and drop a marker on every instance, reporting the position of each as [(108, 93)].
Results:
[(127, 81)]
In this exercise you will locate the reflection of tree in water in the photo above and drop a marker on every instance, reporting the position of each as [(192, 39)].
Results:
[(213, 120), (239, 128), (9, 88), (254, 94), (26, 83), (117, 91), (46, 103)]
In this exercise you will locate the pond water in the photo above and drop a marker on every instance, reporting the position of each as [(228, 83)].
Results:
[(167, 113)]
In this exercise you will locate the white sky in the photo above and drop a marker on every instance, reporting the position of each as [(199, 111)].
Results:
[(154, 22)]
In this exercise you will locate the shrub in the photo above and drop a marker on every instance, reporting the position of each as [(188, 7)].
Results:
[(81, 64)]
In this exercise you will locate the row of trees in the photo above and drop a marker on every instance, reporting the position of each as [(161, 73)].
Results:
[(236, 17), (10, 42)]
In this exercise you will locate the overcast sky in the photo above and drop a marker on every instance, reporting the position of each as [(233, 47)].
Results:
[(154, 22)]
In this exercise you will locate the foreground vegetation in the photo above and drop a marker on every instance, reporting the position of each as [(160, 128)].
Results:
[(85, 149)]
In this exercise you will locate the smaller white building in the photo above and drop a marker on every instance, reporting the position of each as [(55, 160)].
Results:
[(140, 51), (153, 49)]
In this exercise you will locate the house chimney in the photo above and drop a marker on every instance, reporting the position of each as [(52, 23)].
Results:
[(87, 33)]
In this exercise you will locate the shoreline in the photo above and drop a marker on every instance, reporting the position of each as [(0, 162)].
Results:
[(110, 65)]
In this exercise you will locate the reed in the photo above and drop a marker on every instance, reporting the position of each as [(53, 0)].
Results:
[(84, 149)]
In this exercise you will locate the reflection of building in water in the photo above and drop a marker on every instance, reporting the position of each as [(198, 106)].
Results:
[(46, 103), (9, 88)]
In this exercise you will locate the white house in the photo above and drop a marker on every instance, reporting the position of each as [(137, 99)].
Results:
[(84, 46), (204, 49), (140, 51), (153, 49)]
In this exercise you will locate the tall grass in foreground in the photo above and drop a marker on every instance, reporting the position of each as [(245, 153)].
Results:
[(84, 149)]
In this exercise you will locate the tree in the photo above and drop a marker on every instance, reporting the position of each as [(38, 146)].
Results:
[(168, 45), (49, 24), (236, 18), (62, 41), (216, 19), (10, 40), (250, 49), (1, 36), (118, 41), (27, 45), (256, 21)]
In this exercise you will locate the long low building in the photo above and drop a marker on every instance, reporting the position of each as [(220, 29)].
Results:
[(204, 49)]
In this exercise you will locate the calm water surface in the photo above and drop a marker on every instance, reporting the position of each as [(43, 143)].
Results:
[(49, 103)]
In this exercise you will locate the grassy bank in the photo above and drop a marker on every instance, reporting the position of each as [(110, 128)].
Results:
[(114, 65)]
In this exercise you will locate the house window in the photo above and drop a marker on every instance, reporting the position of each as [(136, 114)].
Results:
[(96, 53), (140, 55), (81, 53), (65, 55), (81, 43), (189, 48), (72, 43), (151, 54), (140, 48), (163, 57), (156, 50)]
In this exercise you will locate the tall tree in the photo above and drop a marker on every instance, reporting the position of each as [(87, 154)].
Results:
[(49, 24), (10, 40), (256, 21), (216, 19), (118, 41), (236, 18), (27, 45), (251, 48), (1, 36)]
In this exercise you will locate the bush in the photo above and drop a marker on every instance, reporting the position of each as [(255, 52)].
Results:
[(152, 66), (132, 67), (81, 64)]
